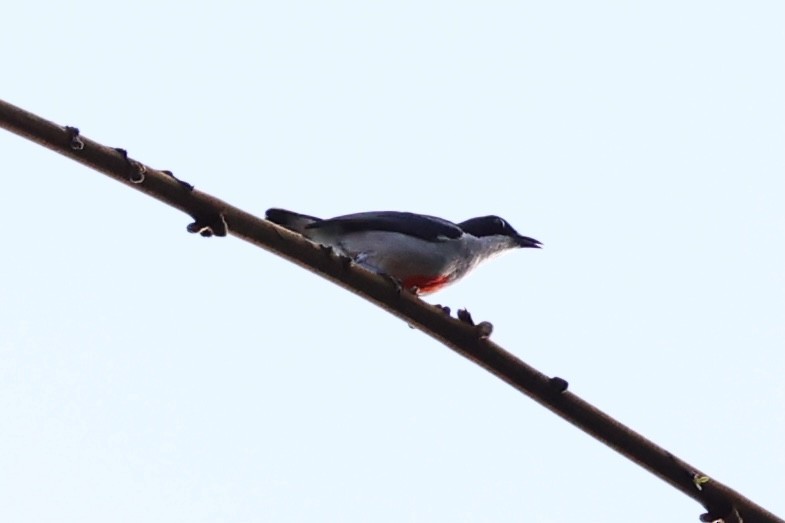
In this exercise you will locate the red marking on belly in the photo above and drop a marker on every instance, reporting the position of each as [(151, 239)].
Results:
[(425, 284)]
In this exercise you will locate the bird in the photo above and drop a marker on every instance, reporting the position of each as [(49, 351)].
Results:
[(422, 253)]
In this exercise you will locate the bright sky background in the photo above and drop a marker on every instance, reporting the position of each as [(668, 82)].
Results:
[(151, 375)]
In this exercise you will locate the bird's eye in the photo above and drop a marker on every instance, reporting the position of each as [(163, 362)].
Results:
[(500, 223)]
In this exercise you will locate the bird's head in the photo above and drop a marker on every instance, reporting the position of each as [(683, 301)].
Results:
[(498, 229)]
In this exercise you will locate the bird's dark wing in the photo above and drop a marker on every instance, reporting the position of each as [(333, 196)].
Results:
[(428, 228)]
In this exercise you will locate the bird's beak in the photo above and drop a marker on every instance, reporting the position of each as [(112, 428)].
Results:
[(525, 241)]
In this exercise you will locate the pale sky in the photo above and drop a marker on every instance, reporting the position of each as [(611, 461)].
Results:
[(151, 375)]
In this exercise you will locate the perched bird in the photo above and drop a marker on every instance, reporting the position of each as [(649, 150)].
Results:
[(422, 253)]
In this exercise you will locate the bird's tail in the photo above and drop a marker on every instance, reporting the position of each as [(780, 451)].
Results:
[(291, 220)]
